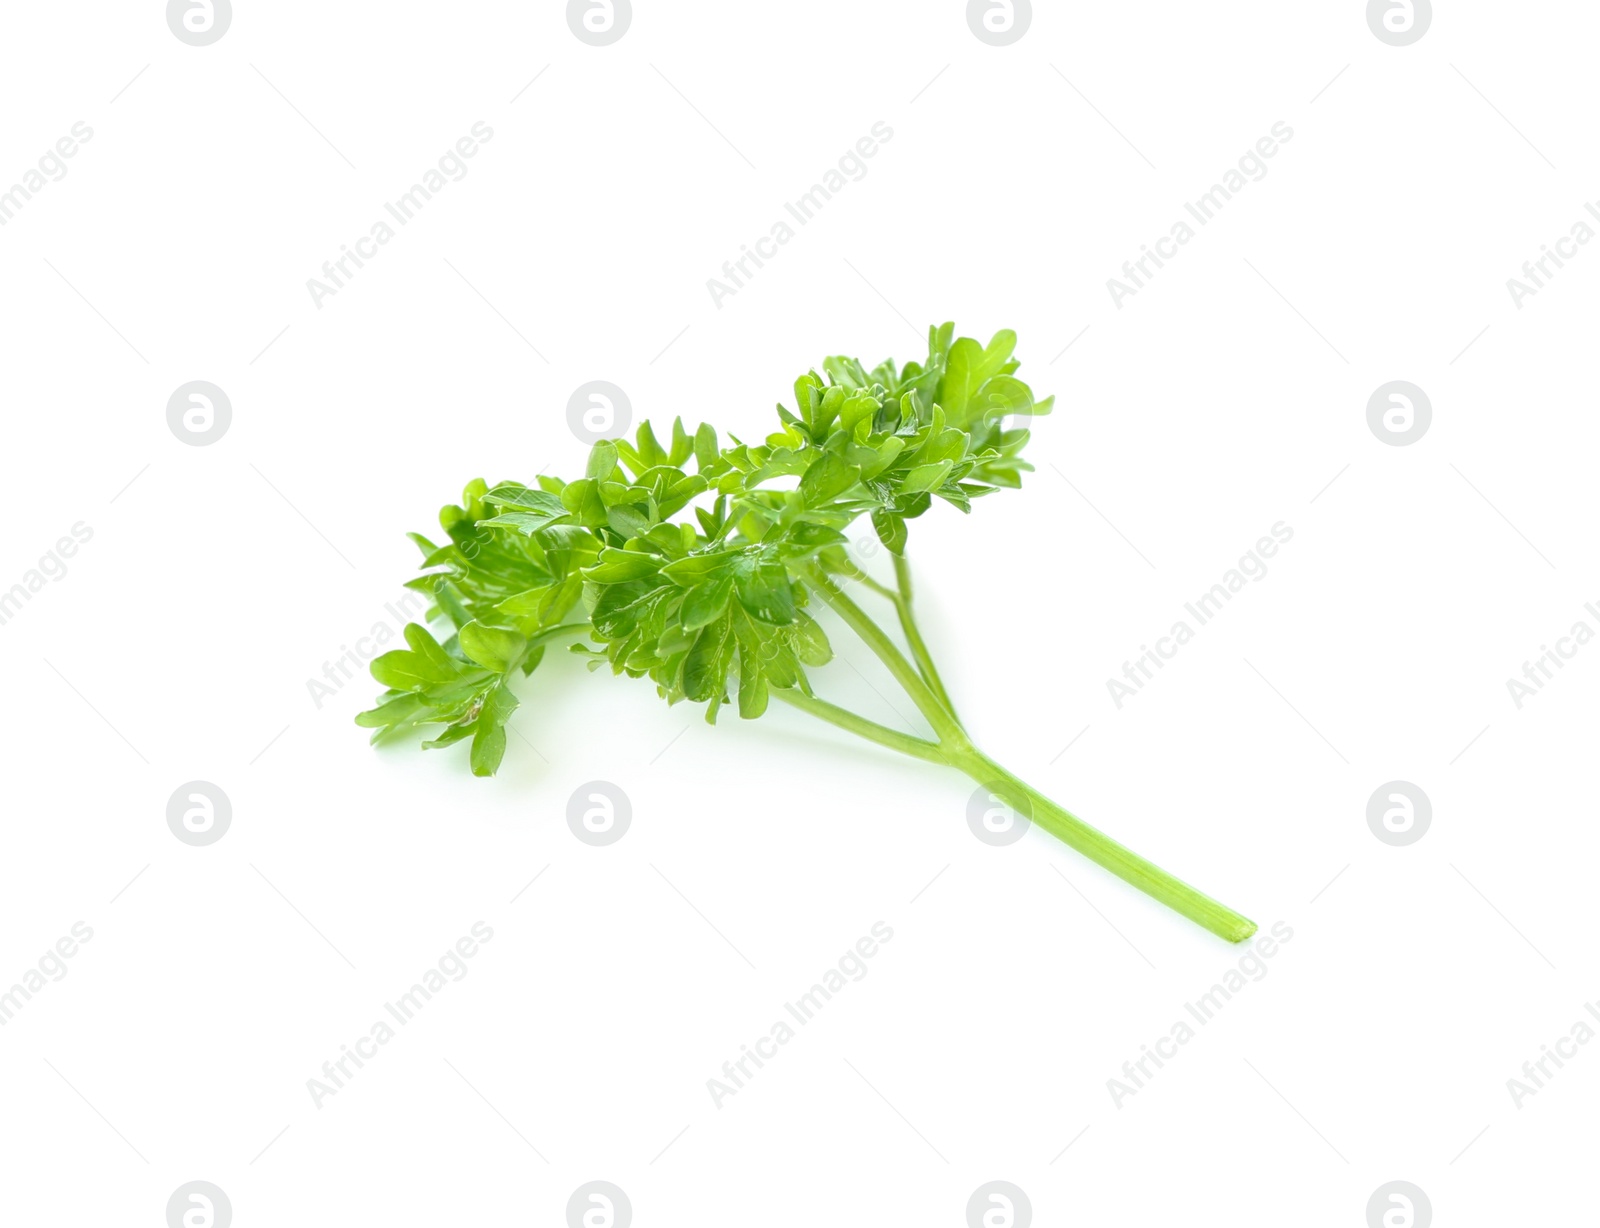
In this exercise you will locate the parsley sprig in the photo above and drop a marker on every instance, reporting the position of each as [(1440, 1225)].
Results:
[(693, 562)]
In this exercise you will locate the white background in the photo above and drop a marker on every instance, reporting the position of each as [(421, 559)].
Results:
[(1206, 408)]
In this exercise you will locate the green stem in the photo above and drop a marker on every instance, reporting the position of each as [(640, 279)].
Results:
[(850, 571), (1103, 850), (871, 730), (919, 649), (937, 715), (956, 750)]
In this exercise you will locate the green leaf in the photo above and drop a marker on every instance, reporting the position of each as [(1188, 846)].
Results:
[(526, 523), (1006, 394), (855, 412), (811, 642), (768, 649), (705, 602), (678, 493), (488, 748), (891, 530), (888, 450), (526, 604), (401, 710), (812, 537), (845, 371), (828, 477), (452, 735), (995, 355), (422, 544), (582, 499), (602, 460), (705, 669), (705, 447), (765, 591), (489, 737), (492, 647), (515, 497), (619, 607), (958, 382), (628, 521), (752, 687), (650, 452), (620, 566), (405, 671), (682, 445), (698, 567), (926, 477), (559, 601), (422, 642), (450, 602), (400, 670), (808, 396)]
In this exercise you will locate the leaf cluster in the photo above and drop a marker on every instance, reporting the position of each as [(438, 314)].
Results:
[(685, 561)]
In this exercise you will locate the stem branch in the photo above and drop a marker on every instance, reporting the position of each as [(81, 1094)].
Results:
[(921, 683), (919, 648), (871, 730), (929, 704)]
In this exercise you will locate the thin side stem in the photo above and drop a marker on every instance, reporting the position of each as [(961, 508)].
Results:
[(860, 725), (852, 572), (874, 637), (919, 648)]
